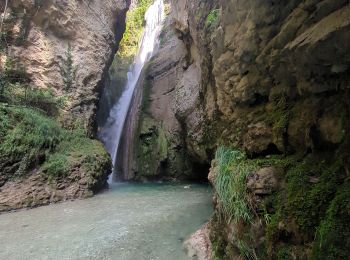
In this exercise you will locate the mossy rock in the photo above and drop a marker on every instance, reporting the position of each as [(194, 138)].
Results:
[(333, 234), (31, 141)]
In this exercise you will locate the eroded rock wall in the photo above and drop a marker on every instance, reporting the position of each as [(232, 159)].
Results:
[(270, 78), (92, 28), (69, 164)]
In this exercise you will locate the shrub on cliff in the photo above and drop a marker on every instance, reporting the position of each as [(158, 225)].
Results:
[(68, 70), (16, 90), (212, 17)]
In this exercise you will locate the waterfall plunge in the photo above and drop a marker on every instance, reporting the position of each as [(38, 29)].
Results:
[(111, 132)]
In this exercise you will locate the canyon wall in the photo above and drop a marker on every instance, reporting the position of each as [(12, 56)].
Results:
[(44, 29), (48, 156), (266, 85)]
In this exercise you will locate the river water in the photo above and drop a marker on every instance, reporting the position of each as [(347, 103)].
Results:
[(127, 222)]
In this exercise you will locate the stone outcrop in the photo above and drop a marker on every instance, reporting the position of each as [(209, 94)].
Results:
[(261, 76), (270, 78), (198, 245), (40, 36), (37, 190), (45, 28)]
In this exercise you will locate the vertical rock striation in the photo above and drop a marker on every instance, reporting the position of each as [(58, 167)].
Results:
[(269, 79), (92, 28)]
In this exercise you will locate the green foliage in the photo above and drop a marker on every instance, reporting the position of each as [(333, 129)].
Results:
[(29, 139), (315, 200), (129, 44), (280, 115), (15, 90), (284, 254), (333, 235), (307, 201), (75, 151), (68, 70), (233, 168), (232, 171), (26, 135), (308, 204), (41, 99), (56, 167), (134, 25), (212, 17), (13, 73)]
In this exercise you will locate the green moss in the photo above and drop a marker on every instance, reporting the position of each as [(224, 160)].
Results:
[(212, 17), (30, 139), (232, 168), (152, 147), (310, 186), (333, 234), (129, 44), (57, 166), (284, 253), (302, 207), (277, 115), (217, 238), (75, 151), (26, 136)]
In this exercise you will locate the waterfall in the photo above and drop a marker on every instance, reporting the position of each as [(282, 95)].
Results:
[(111, 132)]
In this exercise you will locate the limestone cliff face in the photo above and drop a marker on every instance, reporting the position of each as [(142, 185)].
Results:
[(256, 53), (67, 164), (269, 78), (172, 119), (92, 28)]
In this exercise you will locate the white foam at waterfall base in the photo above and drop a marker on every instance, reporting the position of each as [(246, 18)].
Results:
[(111, 132)]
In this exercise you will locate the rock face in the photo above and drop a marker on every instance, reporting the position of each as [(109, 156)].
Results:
[(261, 76), (268, 77), (37, 189), (92, 28), (160, 145), (43, 36), (254, 76), (171, 101), (198, 245)]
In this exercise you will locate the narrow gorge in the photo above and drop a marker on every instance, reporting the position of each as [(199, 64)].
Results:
[(229, 117)]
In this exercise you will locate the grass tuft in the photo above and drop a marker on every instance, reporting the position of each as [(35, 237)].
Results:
[(233, 170)]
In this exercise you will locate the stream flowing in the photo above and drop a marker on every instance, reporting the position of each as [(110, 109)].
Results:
[(127, 222), (111, 132)]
